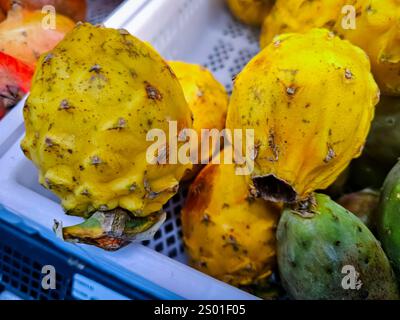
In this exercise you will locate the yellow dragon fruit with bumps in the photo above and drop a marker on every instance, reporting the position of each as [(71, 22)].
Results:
[(206, 98), (299, 16), (93, 100), (310, 99), (358, 21), (377, 31), (251, 12), (228, 233)]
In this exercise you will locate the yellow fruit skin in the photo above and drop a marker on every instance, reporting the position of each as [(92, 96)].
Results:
[(377, 30), (378, 33), (92, 102), (250, 12), (229, 234), (299, 16), (206, 98), (310, 99)]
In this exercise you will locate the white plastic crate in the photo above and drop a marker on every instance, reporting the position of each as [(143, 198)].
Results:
[(198, 31)]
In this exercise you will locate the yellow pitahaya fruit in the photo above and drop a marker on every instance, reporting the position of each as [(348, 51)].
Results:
[(93, 100), (310, 99)]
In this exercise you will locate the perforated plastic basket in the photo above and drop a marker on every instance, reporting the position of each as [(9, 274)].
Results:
[(198, 31)]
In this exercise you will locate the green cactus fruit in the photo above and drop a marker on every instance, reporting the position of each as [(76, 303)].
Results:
[(389, 217), (383, 140), (363, 204), (325, 252)]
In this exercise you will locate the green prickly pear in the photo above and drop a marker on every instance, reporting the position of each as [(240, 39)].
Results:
[(389, 217), (316, 246)]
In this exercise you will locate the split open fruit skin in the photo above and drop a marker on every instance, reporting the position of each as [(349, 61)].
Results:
[(310, 99), (229, 234), (93, 100)]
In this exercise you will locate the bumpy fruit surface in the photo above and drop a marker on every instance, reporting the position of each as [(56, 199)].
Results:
[(383, 140), (299, 16), (315, 246), (251, 12), (206, 98), (374, 19), (378, 20), (389, 217), (229, 234), (310, 99), (93, 100)]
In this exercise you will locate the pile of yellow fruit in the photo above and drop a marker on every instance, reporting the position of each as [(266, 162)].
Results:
[(309, 96)]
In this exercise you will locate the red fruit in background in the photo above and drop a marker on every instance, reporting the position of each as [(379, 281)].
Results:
[(3, 112), (75, 9), (23, 36), (15, 80)]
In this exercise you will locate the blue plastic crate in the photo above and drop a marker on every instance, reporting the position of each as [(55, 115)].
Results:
[(23, 253)]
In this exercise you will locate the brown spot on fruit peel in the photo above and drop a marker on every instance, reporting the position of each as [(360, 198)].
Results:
[(48, 142), (95, 160), (96, 68), (152, 92), (48, 58), (271, 188), (331, 154), (64, 105), (273, 146), (133, 187), (121, 124), (85, 192), (291, 91), (348, 74), (206, 219), (124, 32)]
